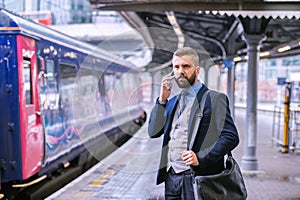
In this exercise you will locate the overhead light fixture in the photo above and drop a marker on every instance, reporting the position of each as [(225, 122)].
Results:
[(266, 53), (181, 39), (172, 19), (177, 31), (285, 48), (237, 59)]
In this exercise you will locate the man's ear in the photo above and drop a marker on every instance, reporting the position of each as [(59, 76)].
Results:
[(198, 70)]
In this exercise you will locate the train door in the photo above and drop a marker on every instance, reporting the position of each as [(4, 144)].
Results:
[(32, 137)]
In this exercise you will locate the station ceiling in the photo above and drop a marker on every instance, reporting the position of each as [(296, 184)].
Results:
[(216, 27)]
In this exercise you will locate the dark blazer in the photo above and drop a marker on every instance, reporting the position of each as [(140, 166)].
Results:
[(216, 136)]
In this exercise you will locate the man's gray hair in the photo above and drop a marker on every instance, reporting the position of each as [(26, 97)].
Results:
[(188, 51)]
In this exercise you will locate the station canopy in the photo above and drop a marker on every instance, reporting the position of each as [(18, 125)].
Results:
[(217, 27)]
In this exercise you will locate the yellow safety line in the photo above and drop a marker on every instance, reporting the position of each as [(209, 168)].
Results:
[(103, 178)]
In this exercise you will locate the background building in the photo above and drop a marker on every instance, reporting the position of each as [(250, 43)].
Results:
[(63, 11)]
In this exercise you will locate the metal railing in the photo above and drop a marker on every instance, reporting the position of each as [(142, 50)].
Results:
[(293, 129)]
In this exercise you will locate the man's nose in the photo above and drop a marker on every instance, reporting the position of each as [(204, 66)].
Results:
[(180, 70)]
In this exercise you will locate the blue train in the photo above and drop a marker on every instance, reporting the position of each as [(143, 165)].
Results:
[(63, 103)]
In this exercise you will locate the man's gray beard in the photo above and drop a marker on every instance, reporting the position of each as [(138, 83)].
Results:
[(187, 82)]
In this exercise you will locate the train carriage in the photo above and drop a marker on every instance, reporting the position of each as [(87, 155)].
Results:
[(61, 100)]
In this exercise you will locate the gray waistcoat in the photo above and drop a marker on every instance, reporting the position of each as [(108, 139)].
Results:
[(178, 141)]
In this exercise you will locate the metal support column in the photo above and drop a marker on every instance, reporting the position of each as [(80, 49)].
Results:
[(230, 85), (249, 159)]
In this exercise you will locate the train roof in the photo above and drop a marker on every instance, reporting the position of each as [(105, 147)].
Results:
[(11, 23)]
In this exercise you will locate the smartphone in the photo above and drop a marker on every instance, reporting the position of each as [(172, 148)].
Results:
[(172, 76), (169, 84)]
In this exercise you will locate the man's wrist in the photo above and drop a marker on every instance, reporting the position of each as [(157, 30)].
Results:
[(161, 102)]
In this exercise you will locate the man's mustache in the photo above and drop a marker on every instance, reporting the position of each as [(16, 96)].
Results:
[(180, 76)]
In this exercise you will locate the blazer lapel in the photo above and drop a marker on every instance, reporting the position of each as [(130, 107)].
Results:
[(195, 108)]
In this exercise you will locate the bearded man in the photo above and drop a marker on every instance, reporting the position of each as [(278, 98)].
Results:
[(174, 118)]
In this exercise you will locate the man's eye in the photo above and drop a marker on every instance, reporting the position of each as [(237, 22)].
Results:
[(186, 66)]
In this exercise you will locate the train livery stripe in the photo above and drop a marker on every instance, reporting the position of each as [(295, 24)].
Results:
[(10, 29)]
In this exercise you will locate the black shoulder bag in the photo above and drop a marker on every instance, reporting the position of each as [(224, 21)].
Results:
[(229, 184)]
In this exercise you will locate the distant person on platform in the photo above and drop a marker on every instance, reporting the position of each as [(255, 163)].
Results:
[(172, 117)]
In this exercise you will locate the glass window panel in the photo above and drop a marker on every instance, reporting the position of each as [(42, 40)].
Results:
[(27, 81)]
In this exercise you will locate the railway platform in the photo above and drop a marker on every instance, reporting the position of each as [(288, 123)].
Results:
[(130, 171)]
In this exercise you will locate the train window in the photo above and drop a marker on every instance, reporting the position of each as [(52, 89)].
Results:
[(41, 74), (67, 81), (123, 92), (27, 80), (88, 90), (50, 69), (67, 71), (110, 81)]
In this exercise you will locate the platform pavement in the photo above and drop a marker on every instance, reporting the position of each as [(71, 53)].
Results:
[(277, 176)]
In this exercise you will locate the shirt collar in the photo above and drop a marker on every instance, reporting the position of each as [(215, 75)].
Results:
[(193, 90)]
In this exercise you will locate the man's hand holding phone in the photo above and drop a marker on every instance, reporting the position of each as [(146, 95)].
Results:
[(166, 87)]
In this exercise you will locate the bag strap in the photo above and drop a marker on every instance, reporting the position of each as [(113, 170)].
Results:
[(198, 118)]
